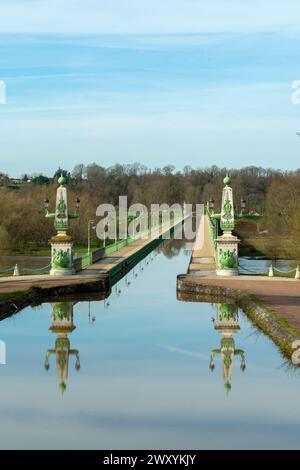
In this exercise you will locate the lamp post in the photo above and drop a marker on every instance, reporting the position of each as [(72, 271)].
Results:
[(211, 205), (104, 238), (243, 205), (90, 223)]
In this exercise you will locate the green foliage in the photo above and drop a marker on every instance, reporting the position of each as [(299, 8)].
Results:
[(283, 210), (273, 193)]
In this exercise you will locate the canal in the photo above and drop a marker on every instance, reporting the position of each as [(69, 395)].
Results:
[(136, 371)]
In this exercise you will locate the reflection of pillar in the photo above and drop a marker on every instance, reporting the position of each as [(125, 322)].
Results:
[(227, 324), (62, 324)]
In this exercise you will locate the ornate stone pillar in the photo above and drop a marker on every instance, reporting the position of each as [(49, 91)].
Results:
[(62, 243), (227, 244)]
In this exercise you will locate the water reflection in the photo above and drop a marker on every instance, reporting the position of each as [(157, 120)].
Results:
[(171, 248), (61, 325), (227, 324)]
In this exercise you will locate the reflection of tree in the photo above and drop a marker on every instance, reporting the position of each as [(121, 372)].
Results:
[(171, 248)]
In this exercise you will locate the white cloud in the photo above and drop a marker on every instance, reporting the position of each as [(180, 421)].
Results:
[(147, 16)]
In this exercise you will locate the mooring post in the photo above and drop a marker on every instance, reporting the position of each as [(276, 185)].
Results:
[(16, 271)]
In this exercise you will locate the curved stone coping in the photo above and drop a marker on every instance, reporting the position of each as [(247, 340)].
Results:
[(272, 324)]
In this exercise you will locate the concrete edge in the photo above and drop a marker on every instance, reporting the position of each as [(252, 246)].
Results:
[(17, 301), (268, 321)]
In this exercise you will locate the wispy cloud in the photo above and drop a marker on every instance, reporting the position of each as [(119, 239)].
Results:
[(185, 352), (152, 16), (198, 98)]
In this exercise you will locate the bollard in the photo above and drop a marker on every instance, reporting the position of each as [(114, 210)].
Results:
[(297, 275), (271, 271), (16, 271)]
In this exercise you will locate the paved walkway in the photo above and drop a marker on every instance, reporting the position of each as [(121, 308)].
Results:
[(203, 256), (23, 283), (104, 265), (280, 294)]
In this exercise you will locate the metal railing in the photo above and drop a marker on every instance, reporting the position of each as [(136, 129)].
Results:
[(272, 270), (213, 229), (24, 271), (86, 260)]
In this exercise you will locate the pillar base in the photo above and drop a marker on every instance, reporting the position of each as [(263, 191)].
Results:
[(61, 255), (61, 272), (228, 272), (227, 255)]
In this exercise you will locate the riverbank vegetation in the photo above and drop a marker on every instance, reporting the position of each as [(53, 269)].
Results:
[(272, 193)]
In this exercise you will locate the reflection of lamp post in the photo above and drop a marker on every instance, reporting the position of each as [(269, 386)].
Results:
[(92, 319), (90, 222)]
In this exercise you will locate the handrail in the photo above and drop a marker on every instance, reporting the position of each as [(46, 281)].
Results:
[(213, 229), (270, 271), (87, 260)]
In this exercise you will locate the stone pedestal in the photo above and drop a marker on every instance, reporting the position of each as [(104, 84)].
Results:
[(227, 255), (227, 318), (62, 317), (61, 255)]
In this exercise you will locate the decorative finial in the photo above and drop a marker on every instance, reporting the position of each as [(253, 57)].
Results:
[(62, 180), (227, 387), (227, 180), (62, 387)]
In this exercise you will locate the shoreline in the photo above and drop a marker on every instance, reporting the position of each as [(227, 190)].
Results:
[(266, 319), (15, 302)]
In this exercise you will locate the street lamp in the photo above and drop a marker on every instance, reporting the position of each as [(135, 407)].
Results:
[(104, 233), (90, 222), (46, 204), (211, 204), (243, 205)]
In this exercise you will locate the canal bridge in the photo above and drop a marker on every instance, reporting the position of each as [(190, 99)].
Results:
[(94, 274)]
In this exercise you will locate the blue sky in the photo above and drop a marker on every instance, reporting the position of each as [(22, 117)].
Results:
[(159, 82)]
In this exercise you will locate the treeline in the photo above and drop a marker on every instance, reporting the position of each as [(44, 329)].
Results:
[(274, 193)]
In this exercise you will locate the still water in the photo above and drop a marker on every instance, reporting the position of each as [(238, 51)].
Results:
[(147, 378)]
